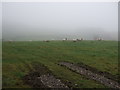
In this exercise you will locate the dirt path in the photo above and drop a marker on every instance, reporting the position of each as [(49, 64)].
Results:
[(89, 74)]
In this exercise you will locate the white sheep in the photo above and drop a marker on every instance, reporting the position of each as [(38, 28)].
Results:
[(99, 39), (74, 40)]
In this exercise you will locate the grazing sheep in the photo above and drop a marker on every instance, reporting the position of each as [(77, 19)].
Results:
[(74, 40), (10, 41), (81, 39), (99, 39), (65, 39), (78, 39), (47, 41)]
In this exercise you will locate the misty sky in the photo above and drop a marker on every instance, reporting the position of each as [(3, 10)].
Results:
[(42, 21)]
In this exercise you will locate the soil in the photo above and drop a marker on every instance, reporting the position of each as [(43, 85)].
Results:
[(105, 74), (91, 74), (52, 82), (41, 77)]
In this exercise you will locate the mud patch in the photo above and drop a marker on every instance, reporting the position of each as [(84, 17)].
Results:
[(52, 82), (42, 77), (105, 74), (90, 74)]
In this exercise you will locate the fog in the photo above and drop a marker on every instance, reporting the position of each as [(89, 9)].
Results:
[(47, 21), (0, 21)]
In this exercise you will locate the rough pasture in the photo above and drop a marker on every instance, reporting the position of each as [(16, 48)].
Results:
[(18, 58)]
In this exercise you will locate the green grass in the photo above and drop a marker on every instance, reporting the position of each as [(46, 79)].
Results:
[(18, 56)]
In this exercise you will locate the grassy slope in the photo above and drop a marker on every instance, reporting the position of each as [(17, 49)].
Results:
[(17, 57)]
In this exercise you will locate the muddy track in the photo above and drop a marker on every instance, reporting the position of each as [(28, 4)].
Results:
[(41, 77), (52, 82), (45, 81), (91, 75)]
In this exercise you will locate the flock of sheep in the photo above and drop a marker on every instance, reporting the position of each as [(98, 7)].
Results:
[(65, 39), (74, 40)]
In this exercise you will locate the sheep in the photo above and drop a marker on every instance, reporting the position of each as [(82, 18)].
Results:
[(78, 39), (81, 39), (99, 39), (74, 40), (65, 39), (47, 41), (10, 41)]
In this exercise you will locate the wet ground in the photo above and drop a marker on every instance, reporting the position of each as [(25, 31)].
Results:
[(52, 82), (92, 74), (41, 77)]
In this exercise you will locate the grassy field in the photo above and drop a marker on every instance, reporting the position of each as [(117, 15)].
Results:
[(17, 59)]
